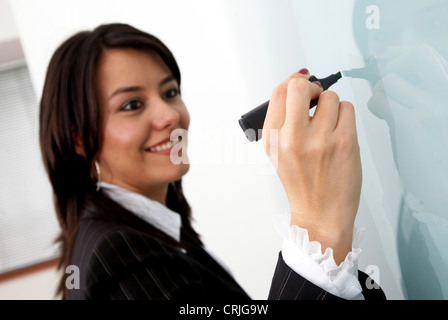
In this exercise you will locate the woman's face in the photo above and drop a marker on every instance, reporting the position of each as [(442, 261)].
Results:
[(141, 105)]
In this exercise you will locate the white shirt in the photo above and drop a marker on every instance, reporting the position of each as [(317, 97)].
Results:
[(301, 255), (306, 258), (153, 212)]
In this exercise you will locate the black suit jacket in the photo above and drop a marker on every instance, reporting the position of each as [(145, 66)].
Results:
[(118, 261)]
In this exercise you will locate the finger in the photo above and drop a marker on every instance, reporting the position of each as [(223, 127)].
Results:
[(327, 112), (275, 115), (346, 119), (300, 92)]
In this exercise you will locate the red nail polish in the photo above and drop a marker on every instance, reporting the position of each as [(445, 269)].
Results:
[(304, 71)]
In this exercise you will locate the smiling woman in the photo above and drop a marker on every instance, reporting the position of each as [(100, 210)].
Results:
[(109, 135)]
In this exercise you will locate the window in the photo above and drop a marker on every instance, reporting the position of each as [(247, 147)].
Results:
[(28, 224)]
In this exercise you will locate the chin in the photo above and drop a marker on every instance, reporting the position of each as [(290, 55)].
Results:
[(184, 168), (177, 172)]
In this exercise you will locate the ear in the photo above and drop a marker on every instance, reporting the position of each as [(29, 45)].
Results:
[(79, 145)]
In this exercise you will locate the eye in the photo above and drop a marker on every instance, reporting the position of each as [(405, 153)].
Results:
[(171, 93), (132, 105)]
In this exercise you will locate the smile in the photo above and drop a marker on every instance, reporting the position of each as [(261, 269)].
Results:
[(162, 147)]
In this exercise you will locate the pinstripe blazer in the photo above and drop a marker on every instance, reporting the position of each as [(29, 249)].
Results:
[(118, 261)]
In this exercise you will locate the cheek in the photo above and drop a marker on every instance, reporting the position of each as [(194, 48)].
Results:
[(120, 141), (184, 118)]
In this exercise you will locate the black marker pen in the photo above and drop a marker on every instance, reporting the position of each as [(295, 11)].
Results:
[(252, 122)]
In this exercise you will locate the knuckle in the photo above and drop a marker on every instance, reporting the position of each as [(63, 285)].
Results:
[(300, 84), (329, 95), (317, 146), (324, 146), (279, 92), (317, 151), (348, 106)]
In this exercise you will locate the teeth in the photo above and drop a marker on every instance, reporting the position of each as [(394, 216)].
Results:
[(164, 146)]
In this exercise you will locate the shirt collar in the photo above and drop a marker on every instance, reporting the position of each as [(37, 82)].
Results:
[(147, 209)]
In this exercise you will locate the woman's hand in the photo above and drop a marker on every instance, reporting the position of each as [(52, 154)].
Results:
[(318, 160)]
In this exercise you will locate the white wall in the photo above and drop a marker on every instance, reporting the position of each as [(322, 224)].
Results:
[(8, 30), (231, 54), (39, 285)]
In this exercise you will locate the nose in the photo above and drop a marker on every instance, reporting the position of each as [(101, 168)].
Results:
[(165, 116)]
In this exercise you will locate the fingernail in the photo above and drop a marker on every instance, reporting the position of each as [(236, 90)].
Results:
[(318, 83), (304, 71)]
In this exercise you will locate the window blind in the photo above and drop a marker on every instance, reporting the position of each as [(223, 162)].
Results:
[(28, 225)]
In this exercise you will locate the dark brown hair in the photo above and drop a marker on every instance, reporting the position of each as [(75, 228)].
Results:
[(68, 108)]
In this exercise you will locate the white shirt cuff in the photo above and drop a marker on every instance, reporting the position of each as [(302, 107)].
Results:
[(306, 259)]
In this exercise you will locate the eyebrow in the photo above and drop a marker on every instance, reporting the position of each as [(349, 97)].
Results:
[(139, 88)]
